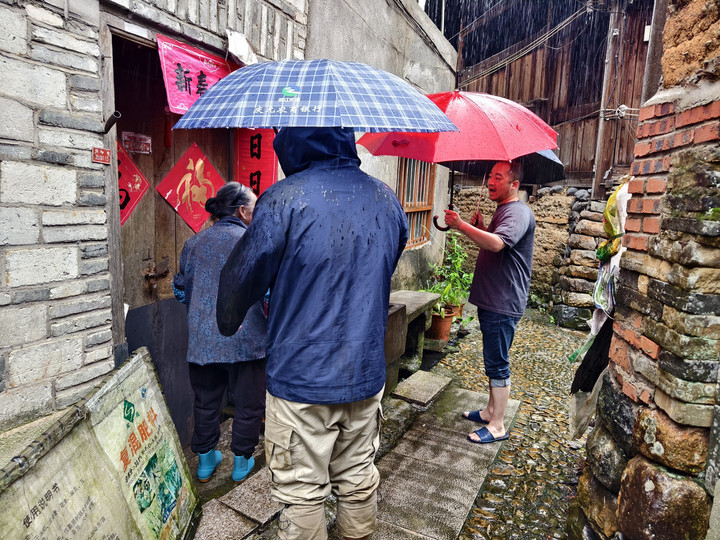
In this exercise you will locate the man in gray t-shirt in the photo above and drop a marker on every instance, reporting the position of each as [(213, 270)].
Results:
[(500, 287)]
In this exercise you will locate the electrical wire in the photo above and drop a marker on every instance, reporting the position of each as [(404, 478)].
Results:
[(528, 48), (488, 10), (566, 44)]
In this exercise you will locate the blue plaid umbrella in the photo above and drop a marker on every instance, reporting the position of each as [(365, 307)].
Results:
[(315, 93)]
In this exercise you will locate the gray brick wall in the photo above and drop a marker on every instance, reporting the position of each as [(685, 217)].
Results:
[(55, 298)]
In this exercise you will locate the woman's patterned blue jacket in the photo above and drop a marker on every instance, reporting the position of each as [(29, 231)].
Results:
[(196, 285)]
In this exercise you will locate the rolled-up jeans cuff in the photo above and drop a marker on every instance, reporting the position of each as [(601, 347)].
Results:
[(499, 383)]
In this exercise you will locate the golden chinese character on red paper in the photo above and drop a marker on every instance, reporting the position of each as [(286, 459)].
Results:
[(191, 182)]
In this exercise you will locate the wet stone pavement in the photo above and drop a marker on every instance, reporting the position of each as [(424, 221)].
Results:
[(527, 493)]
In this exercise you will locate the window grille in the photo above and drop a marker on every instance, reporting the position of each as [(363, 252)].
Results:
[(416, 186)]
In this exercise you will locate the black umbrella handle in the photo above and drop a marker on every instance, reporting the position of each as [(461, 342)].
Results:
[(435, 221)]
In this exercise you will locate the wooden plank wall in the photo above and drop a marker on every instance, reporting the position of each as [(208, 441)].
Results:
[(523, 80), (576, 142), (627, 77), (541, 80)]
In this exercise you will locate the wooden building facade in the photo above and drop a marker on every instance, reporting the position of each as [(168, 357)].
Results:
[(578, 65)]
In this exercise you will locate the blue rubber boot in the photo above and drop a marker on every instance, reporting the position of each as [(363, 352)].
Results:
[(207, 464), (242, 468)]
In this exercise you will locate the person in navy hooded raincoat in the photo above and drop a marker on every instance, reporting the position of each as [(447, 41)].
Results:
[(326, 241)]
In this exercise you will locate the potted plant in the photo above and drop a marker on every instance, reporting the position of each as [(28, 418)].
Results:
[(452, 283), (455, 281)]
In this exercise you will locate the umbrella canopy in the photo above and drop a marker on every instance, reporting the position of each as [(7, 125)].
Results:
[(491, 128), (315, 93), (538, 168)]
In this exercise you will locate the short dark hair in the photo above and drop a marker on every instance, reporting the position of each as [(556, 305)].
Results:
[(516, 171), (228, 199)]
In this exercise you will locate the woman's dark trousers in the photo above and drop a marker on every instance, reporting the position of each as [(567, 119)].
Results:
[(209, 382)]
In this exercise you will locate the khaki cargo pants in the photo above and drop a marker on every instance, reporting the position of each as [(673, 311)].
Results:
[(312, 450)]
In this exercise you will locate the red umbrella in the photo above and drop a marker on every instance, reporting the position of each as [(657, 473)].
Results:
[(491, 128)]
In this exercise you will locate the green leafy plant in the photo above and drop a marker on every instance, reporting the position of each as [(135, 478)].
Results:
[(449, 280)]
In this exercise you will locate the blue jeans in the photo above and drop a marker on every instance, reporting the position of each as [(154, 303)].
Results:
[(498, 332)]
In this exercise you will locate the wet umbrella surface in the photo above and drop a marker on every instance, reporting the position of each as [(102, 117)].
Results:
[(491, 128), (315, 93)]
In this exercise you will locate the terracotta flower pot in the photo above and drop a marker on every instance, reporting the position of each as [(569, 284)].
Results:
[(439, 328), (454, 310)]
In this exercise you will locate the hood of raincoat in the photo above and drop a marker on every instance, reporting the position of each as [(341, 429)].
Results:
[(299, 148)]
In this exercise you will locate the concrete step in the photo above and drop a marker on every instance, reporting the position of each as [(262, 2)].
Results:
[(421, 387), (431, 478)]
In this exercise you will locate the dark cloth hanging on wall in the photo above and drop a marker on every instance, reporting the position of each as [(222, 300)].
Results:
[(594, 361)]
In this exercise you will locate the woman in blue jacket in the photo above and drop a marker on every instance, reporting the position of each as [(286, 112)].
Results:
[(216, 361)]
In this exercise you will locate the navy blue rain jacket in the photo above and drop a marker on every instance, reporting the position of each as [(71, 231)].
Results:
[(326, 241)]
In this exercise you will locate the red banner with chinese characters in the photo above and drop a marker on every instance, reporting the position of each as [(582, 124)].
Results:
[(255, 161), (191, 182), (131, 184), (188, 72)]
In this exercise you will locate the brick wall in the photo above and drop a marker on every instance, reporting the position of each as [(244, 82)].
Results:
[(55, 319), (659, 400), (55, 286), (669, 282)]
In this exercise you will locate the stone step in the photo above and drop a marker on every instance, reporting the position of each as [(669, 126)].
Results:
[(421, 387)]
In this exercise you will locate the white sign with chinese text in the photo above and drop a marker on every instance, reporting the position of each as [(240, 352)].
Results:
[(118, 473)]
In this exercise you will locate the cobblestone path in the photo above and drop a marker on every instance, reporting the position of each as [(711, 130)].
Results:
[(527, 493)]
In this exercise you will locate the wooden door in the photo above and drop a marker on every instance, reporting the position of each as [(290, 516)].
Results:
[(153, 236)]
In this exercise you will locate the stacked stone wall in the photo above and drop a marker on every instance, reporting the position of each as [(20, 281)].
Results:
[(656, 448), (577, 270), (56, 337), (55, 316)]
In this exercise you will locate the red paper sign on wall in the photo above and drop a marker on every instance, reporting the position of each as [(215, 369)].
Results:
[(188, 72), (132, 184), (255, 160), (191, 182)]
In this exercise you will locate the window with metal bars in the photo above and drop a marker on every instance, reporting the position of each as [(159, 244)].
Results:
[(416, 186)]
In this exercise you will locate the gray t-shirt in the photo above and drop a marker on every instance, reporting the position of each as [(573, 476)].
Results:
[(502, 280)]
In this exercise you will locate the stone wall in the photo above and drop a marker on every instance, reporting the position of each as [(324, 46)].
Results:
[(56, 317), (656, 447), (551, 207), (577, 272)]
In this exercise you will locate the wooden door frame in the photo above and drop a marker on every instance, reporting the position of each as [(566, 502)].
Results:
[(108, 24)]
